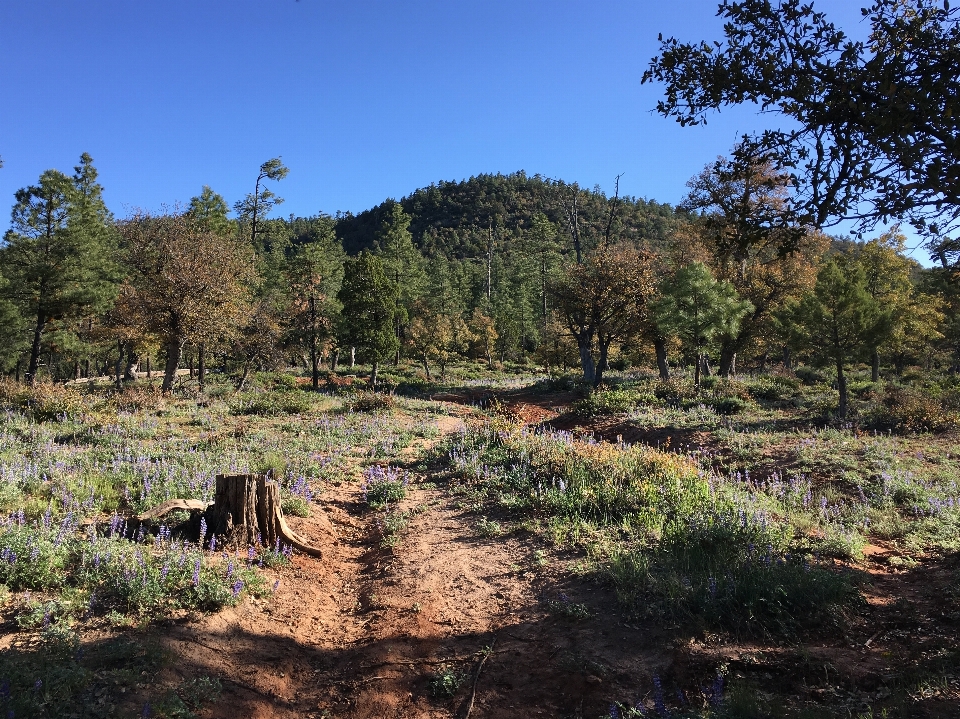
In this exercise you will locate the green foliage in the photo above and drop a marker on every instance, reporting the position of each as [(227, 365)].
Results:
[(445, 682), (272, 403), (58, 258), (369, 307), (697, 309), (606, 402)]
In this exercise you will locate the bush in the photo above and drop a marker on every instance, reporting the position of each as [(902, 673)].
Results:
[(907, 410), (674, 390), (728, 405), (774, 388), (372, 402), (44, 401), (809, 376), (606, 402)]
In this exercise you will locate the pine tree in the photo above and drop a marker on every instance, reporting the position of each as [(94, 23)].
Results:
[(58, 256), (402, 263), (841, 320), (368, 297), (697, 308)]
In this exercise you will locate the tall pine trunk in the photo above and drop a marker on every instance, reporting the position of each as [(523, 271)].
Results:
[(875, 366), (660, 348), (373, 375), (34, 365), (842, 386)]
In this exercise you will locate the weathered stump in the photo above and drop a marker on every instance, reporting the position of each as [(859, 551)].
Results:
[(246, 511), (233, 515)]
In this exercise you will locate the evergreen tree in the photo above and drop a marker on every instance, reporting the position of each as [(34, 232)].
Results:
[(58, 256), (210, 210), (314, 274), (402, 263), (697, 308), (840, 319), (368, 297)]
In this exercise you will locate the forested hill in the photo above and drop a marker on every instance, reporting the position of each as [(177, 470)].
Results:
[(455, 219)]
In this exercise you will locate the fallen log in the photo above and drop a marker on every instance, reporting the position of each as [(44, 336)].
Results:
[(170, 505)]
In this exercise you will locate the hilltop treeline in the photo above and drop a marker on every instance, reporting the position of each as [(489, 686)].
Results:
[(497, 267)]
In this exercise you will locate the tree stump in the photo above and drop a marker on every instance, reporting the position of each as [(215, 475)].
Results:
[(246, 511), (234, 513)]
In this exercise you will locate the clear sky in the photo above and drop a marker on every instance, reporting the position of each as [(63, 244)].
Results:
[(363, 100)]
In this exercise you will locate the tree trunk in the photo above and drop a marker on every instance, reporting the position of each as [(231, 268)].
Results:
[(842, 386), (426, 368), (201, 366), (875, 366), (86, 368), (604, 348), (787, 359), (696, 371), (133, 363), (174, 350), (243, 377), (660, 348), (586, 362), (35, 349), (728, 358), (19, 364), (149, 369), (190, 365), (334, 358), (118, 366), (353, 357), (373, 376), (706, 366), (76, 371), (314, 355)]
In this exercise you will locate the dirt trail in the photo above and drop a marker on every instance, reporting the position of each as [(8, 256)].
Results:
[(360, 632)]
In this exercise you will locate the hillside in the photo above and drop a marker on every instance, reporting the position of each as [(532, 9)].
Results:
[(454, 219)]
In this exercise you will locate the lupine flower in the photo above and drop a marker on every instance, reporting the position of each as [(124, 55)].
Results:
[(196, 573), (237, 587)]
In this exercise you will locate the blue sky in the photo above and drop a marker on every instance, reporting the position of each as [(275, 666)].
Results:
[(363, 100)]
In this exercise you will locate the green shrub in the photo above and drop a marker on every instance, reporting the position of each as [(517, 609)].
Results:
[(445, 682), (901, 409), (774, 388), (809, 376), (295, 506), (674, 390), (372, 402), (383, 485), (606, 402)]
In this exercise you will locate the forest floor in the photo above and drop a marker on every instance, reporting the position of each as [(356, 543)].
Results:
[(369, 631)]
